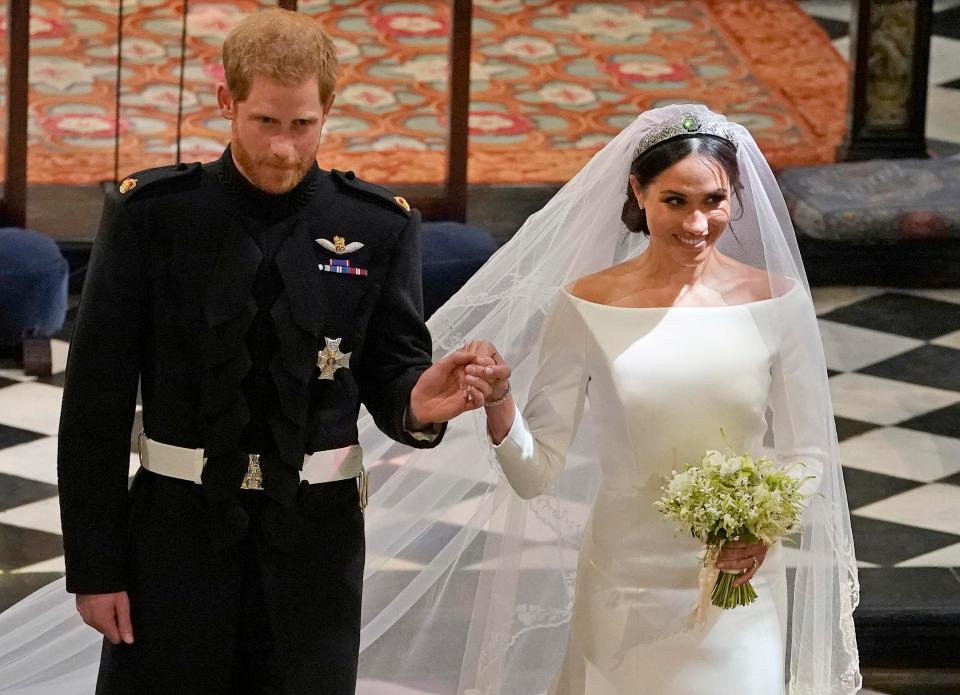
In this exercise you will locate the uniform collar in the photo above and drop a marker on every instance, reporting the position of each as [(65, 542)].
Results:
[(257, 201)]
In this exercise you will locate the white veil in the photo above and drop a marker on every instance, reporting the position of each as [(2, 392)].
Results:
[(468, 588)]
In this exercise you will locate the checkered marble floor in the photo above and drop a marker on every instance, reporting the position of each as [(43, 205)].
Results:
[(894, 363), (943, 90)]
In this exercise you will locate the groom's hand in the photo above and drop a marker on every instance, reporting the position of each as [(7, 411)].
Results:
[(108, 614), (441, 393)]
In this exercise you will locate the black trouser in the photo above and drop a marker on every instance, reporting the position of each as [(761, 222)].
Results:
[(248, 620)]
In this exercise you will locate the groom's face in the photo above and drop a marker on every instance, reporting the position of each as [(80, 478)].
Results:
[(687, 207), (275, 130)]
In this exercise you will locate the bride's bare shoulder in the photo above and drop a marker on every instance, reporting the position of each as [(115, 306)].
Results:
[(754, 284), (599, 286)]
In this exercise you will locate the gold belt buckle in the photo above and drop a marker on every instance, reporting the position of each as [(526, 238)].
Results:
[(363, 487), (253, 478)]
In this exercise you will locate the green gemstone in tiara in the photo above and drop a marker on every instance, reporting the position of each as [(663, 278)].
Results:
[(704, 123)]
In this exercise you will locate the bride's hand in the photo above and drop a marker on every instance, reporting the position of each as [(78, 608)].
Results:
[(489, 374), (744, 557)]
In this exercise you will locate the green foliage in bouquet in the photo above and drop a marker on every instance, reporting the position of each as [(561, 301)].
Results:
[(733, 497)]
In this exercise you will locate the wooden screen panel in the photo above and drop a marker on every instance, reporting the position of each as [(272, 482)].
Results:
[(15, 160)]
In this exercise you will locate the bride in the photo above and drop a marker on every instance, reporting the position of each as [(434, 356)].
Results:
[(657, 298), (674, 351)]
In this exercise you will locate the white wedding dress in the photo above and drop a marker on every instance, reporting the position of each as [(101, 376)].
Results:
[(661, 384)]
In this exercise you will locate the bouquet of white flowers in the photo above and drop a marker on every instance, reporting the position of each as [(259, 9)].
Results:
[(732, 497)]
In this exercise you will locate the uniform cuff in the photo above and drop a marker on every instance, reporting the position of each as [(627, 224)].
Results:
[(430, 434)]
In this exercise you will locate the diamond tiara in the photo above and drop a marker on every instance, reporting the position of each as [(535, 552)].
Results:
[(686, 125)]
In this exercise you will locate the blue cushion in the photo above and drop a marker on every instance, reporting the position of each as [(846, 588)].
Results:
[(33, 286), (451, 253)]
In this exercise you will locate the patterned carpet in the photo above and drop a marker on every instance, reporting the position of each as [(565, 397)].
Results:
[(551, 82)]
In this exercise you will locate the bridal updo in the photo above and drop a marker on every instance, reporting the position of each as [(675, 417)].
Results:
[(656, 160)]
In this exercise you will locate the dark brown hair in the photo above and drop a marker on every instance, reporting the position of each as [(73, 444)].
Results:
[(650, 164)]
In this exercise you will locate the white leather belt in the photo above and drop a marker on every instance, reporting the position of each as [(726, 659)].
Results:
[(187, 464)]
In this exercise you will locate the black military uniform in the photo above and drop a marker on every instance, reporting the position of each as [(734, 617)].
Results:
[(213, 294)]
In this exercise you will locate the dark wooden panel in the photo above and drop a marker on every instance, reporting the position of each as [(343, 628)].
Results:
[(15, 181), (459, 114)]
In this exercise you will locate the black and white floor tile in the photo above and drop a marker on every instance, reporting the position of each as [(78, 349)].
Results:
[(895, 362)]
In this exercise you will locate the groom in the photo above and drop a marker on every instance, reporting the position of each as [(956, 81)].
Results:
[(257, 301)]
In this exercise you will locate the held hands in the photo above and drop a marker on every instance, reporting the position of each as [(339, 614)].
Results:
[(743, 557), (476, 376), (463, 380), (108, 614), (488, 376)]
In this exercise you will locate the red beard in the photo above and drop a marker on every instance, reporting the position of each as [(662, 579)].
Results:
[(268, 174)]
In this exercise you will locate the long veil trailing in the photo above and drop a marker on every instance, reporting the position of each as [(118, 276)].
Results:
[(468, 588)]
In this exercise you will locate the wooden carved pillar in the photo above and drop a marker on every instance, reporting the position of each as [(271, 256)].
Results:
[(889, 60)]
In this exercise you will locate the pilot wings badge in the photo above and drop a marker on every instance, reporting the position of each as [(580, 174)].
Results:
[(339, 245)]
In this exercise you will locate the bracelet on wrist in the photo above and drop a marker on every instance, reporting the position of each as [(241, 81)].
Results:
[(501, 400)]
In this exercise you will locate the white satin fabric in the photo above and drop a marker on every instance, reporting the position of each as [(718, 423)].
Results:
[(661, 384)]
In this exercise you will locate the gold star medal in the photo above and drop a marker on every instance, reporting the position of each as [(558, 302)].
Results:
[(127, 185), (402, 202), (330, 359)]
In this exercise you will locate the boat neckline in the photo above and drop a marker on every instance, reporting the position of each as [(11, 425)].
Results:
[(566, 290)]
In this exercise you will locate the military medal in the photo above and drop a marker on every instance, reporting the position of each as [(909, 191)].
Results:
[(402, 202), (127, 185), (342, 267), (339, 245), (330, 359)]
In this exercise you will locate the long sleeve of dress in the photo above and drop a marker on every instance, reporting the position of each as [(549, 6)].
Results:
[(533, 453), (801, 412)]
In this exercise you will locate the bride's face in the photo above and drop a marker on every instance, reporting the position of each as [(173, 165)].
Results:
[(687, 207)]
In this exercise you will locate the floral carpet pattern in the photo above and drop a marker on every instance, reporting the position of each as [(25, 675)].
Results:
[(551, 82)]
